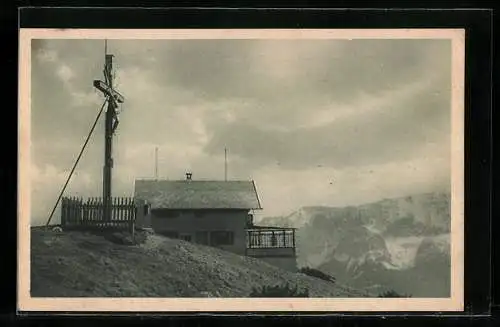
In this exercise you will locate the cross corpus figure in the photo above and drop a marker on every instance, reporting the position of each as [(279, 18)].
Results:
[(110, 125)]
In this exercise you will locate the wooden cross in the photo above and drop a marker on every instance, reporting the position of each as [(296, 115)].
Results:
[(111, 123), (107, 89)]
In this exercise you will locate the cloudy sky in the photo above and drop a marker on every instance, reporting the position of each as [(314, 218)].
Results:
[(313, 122)]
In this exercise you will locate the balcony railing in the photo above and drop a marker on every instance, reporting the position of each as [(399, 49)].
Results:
[(262, 238)]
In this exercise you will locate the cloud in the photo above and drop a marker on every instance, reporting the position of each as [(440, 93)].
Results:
[(46, 184), (391, 126), (281, 189), (46, 55), (65, 73), (374, 114)]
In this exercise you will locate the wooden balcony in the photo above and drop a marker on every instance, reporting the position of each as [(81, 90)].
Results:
[(270, 237), (270, 242)]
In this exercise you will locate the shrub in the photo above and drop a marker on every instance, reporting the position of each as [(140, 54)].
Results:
[(392, 293), (279, 291), (317, 273)]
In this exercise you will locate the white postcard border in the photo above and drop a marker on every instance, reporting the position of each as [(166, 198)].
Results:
[(454, 303)]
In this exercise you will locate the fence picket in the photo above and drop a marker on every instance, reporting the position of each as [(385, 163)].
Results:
[(120, 211), (95, 210), (101, 212), (77, 216), (98, 209), (70, 209), (131, 209), (123, 209), (90, 209), (119, 215), (75, 209), (93, 207), (77, 213), (116, 212), (66, 212), (79, 210), (131, 216), (84, 212), (127, 210), (63, 215)]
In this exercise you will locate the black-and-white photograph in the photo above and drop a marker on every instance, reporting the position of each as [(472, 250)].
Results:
[(241, 167)]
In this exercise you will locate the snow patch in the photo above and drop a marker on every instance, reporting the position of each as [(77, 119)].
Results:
[(372, 229), (403, 250)]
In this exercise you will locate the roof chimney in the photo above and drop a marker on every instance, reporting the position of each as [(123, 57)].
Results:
[(188, 176)]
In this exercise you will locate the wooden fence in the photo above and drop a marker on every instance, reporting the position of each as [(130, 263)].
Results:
[(77, 213)]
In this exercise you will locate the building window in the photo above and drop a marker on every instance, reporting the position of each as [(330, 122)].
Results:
[(202, 238), (169, 234), (249, 221), (221, 238), (146, 209), (186, 237)]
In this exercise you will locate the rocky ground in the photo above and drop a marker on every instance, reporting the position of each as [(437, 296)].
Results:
[(84, 264)]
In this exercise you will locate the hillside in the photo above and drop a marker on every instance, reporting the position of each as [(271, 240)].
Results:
[(75, 264), (388, 244)]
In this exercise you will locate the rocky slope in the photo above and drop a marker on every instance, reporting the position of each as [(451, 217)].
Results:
[(400, 244), (73, 264)]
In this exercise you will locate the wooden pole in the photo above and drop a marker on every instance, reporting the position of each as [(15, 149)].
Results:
[(108, 142)]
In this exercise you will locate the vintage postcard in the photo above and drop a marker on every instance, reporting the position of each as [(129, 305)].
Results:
[(241, 170)]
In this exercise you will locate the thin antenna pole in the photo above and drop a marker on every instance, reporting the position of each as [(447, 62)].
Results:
[(156, 163), (225, 164)]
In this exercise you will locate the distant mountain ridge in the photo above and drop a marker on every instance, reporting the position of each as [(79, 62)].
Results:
[(385, 244), (429, 209)]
